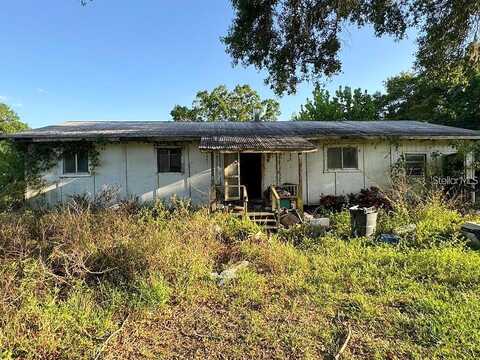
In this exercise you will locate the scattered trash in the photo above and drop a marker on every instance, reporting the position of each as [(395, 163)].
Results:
[(308, 216), (472, 232), (289, 219), (389, 239), (405, 229), (318, 226), (363, 221), (345, 343), (230, 273), (323, 222), (115, 206)]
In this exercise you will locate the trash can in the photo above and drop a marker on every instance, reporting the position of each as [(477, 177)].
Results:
[(363, 221), (472, 232)]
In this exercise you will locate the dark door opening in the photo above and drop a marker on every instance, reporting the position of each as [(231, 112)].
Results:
[(251, 174)]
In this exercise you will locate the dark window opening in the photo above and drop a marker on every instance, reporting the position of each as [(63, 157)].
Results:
[(415, 164), (169, 160), (341, 158), (75, 163)]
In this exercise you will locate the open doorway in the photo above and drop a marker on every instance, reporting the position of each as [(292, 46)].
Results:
[(251, 174)]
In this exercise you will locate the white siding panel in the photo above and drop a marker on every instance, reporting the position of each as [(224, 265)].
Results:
[(199, 175), (319, 182), (377, 165), (70, 186), (288, 168), (112, 169), (269, 170), (141, 171)]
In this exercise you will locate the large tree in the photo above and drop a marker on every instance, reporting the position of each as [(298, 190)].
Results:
[(407, 96), (299, 40), (220, 104), (420, 97), (11, 159), (344, 105)]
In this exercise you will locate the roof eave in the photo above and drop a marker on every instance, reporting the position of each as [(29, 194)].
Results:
[(20, 138)]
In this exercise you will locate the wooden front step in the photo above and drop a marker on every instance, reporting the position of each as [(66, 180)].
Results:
[(260, 214)]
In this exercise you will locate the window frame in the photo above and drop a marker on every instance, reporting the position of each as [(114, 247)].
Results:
[(425, 158), (76, 172), (169, 149), (342, 169)]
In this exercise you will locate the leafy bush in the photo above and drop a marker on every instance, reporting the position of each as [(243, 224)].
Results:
[(372, 196), (436, 224), (233, 229), (341, 224), (332, 203), (12, 161)]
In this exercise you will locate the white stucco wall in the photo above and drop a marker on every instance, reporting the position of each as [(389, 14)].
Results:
[(375, 159), (132, 169)]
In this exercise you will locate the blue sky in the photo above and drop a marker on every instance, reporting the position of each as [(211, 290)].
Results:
[(126, 60)]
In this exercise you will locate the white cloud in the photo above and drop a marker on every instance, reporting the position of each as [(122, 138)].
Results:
[(18, 105), (3, 98), (42, 91)]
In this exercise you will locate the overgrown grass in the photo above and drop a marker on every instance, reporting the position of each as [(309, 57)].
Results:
[(138, 284)]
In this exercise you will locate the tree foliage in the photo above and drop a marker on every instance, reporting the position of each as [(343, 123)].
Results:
[(241, 104), (407, 96), (300, 40), (11, 158), (346, 104), (9, 120), (419, 97)]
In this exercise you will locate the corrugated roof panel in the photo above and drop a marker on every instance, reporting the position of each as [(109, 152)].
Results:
[(170, 130), (256, 143)]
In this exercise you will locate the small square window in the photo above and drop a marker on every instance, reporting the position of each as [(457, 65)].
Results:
[(169, 160), (75, 162), (341, 158), (415, 164)]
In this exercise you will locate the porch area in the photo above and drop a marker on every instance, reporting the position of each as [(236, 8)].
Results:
[(246, 176)]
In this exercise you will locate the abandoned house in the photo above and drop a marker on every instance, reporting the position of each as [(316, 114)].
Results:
[(221, 162)]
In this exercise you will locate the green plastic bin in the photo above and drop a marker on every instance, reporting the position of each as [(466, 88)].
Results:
[(285, 203)]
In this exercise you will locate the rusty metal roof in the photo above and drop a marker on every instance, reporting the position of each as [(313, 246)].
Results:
[(169, 130), (256, 143)]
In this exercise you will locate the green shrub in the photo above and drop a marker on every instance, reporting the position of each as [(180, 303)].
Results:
[(436, 224), (340, 223), (233, 229), (152, 292)]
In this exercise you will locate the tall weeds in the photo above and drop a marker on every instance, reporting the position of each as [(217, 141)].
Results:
[(80, 283)]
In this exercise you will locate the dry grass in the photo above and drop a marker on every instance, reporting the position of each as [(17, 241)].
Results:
[(129, 285)]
